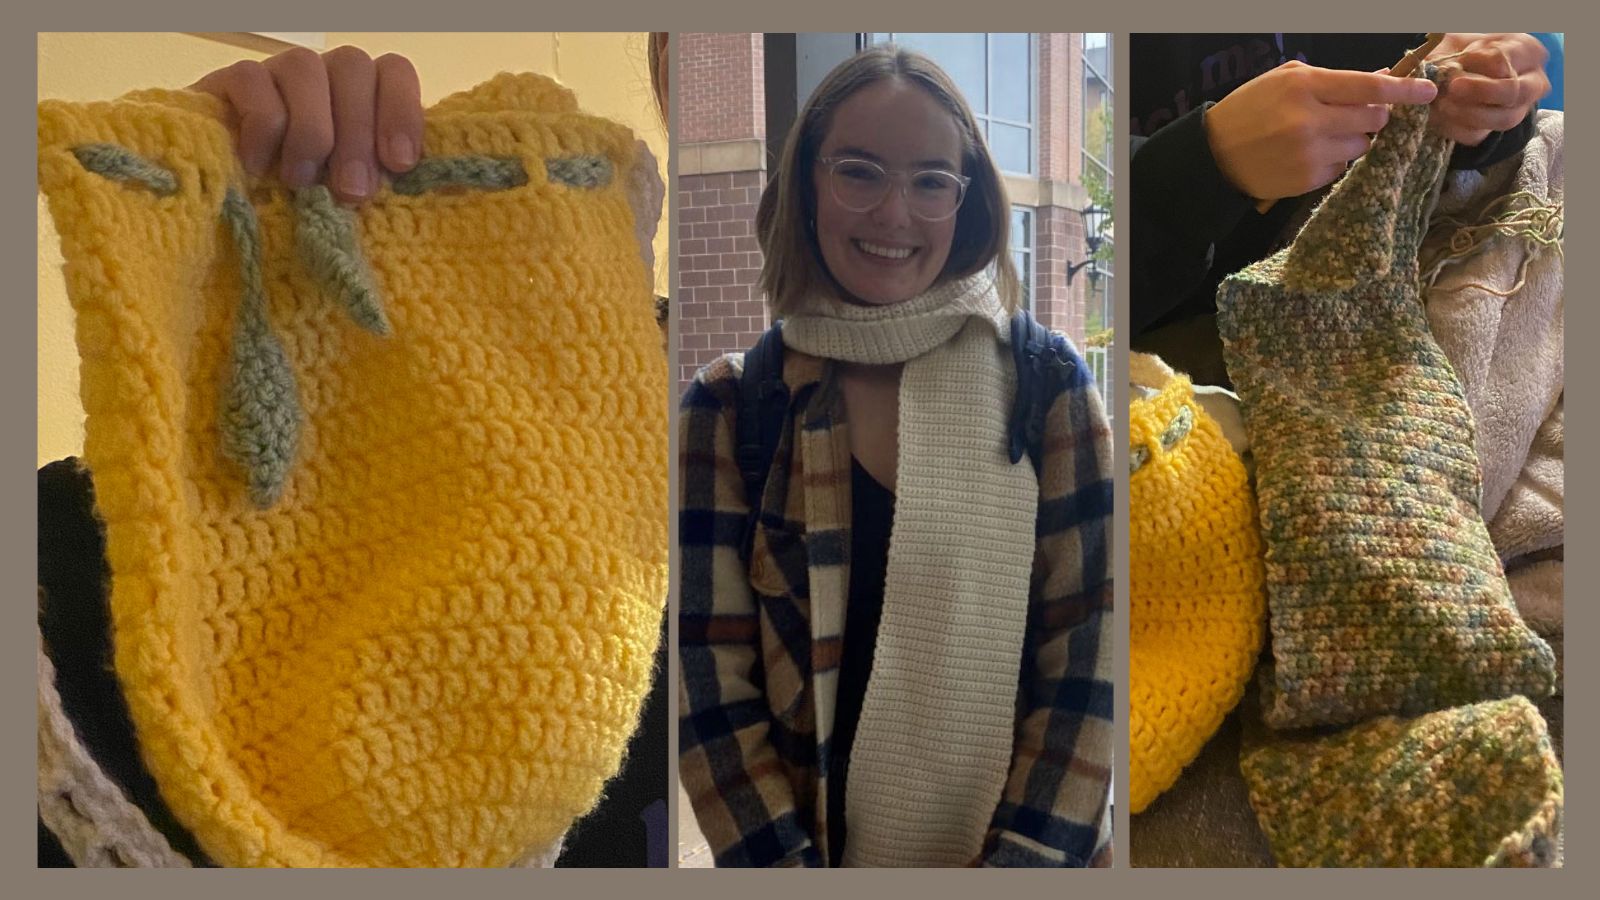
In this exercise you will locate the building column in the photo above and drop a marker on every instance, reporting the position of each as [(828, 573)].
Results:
[(1059, 227)]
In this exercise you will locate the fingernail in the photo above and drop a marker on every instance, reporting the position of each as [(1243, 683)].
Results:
[(304, 174), (404, 150), (1427, 90), (355, 180)]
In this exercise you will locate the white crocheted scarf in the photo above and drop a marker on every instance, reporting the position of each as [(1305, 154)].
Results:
[(933, 746)]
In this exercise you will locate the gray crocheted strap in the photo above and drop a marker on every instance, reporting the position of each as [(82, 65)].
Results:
[(121, 164), (325, 234), (260, 413), (497, 174), (90, 815), (486, 173), (589, 171)]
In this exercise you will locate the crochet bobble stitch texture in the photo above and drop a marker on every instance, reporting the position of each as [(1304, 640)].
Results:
[(1475, 785), (432, 648), (1197, 603), (1386, 593)]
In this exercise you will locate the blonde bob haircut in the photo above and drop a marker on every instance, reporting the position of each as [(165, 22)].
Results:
[(793, 270)]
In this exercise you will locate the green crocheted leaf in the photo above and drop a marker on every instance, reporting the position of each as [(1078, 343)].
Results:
[(261, 412), (260, 415), (325, 232)]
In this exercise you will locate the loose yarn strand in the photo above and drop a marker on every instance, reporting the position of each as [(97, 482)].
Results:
[(1539, 223)]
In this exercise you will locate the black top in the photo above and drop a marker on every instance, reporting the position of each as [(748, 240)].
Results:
[(871, 518), (1190, 227), (75, 623)]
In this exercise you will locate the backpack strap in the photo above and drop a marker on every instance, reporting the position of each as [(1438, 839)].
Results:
[(763, 404), (1045, 364)]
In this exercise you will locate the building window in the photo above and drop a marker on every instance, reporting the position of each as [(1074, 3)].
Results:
[(1097, 174), (1097, 305), (1098, 179), (1022, 250), (996, 73), (1097, 105)]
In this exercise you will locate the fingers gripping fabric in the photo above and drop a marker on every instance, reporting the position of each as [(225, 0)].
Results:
[(431, 649), (1385, 592)]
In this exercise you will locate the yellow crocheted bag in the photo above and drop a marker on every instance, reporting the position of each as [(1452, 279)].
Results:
[(1197, 605), (384, 493)]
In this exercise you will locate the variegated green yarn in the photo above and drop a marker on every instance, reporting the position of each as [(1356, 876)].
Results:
[(1385, 592), (1477, 785)]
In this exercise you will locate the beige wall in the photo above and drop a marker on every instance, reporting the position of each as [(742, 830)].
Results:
[(608, 72)]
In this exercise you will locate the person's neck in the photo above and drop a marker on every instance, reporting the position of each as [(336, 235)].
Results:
[(871, 372), (853, 300)]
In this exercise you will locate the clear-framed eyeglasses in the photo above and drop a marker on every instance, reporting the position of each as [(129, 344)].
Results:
[(860, 185)]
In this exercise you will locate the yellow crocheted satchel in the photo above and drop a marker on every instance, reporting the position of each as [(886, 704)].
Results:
[(384, 493), (1197, 604)]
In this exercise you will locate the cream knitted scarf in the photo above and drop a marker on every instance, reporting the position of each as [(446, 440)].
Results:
[(933, 746)]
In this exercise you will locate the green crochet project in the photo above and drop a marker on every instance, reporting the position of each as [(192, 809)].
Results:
[(1384, 590), (1476, 785)]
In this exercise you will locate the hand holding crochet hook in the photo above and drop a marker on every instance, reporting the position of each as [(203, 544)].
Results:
[(334, 117), (1498, 80), (1295, 128)]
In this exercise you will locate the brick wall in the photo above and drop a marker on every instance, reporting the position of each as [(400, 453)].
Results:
[(721, 87), (1058, 230), (1073, 104), (1058, 241), (720, 309), (723, 99), (1054, 82)]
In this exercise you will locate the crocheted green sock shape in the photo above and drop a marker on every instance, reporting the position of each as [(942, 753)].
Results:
[(1384, 591), (1475, 785)]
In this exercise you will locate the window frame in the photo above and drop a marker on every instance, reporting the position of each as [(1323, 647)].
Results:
[(1028, 271), (983, 117), (1105, 165)]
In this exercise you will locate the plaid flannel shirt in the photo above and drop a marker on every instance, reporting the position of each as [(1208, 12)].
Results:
[(759, 645)]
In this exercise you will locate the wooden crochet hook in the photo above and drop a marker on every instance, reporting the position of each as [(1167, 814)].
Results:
[(1401, 69)]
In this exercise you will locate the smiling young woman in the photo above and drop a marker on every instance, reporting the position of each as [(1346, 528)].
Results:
[(877, 240), (903, 658)]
